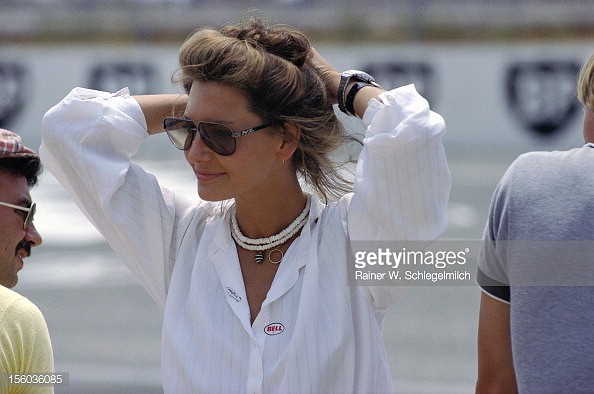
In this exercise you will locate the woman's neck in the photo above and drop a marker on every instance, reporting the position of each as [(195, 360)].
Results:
[(264, 216)]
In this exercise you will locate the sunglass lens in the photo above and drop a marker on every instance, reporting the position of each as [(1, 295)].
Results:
[(181, 132), (218, 137), (30, 216)]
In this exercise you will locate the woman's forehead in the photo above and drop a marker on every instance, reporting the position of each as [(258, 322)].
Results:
[(217, 102)]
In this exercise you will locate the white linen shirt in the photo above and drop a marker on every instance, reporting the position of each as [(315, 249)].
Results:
[(314, 333)]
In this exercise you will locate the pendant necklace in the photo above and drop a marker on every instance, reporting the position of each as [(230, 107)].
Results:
[(260, 245)]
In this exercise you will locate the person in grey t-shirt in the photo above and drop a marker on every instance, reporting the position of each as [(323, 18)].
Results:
[(536, 270)]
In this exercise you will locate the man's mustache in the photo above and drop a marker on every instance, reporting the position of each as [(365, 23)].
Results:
[(24, 245)]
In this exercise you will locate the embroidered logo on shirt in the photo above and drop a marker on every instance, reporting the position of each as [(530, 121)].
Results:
[(274, 328), (233, 294)]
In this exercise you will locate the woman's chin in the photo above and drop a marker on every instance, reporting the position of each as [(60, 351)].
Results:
[(208, 194)]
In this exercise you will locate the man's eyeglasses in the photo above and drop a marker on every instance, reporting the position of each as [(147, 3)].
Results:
[(30, 213), (219, 137)]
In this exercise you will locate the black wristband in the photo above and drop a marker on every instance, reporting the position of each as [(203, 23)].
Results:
[(349, 103), (345, 78)]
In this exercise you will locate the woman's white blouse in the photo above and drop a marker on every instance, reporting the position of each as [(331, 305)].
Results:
[(314, 333)]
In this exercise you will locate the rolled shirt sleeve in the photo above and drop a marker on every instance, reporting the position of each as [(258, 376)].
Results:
[(88, 140), (402, 180)]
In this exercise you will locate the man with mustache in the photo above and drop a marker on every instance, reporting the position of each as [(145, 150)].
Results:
[(25, 347)]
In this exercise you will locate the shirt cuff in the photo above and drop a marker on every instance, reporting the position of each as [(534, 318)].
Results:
[(495, 289)]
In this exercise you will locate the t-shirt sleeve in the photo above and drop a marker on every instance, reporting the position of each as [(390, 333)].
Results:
[(492, 274), (25, 346)]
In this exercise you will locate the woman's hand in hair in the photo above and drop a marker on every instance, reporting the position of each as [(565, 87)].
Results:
[(329, 73)]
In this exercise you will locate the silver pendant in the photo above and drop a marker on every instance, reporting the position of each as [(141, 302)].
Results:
[(259, 256)]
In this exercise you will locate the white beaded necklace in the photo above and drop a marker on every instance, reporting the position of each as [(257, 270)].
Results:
[(262, 244)]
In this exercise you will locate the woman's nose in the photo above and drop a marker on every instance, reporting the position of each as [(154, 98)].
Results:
[(198, 151)]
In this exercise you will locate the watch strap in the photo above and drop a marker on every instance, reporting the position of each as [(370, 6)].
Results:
[(345, 77), (349, 103)]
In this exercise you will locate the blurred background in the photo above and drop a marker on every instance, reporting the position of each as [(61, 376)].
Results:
[(392, 20), (501, 73)]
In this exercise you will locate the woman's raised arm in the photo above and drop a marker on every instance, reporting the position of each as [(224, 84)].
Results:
[(158, 106)]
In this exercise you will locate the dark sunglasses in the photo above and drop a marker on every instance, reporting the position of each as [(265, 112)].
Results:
[(219, 137), (30, 213)]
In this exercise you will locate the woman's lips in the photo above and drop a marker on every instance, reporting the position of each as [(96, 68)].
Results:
[(207, 176)]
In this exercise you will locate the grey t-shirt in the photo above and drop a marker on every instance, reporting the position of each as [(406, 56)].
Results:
[(538, 255)]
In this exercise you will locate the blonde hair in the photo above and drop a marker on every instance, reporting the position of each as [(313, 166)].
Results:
[(272, 66), (585, 86)]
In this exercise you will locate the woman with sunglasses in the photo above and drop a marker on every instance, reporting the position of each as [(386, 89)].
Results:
[(256, 294)]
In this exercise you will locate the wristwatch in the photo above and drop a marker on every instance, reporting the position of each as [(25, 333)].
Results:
[(345, 78)]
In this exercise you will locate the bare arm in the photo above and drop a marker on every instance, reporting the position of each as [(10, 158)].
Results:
[(158, 106), (332, 78), (495, 364)]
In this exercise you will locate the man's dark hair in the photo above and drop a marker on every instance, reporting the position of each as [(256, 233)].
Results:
[(29, 167)]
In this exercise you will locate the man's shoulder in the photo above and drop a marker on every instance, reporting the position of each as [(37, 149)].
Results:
[(534, 157), (548, 163), (539, 157), (14, 305), (8, 297)]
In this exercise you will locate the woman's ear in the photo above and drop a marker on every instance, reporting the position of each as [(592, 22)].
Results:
[(290, 141)]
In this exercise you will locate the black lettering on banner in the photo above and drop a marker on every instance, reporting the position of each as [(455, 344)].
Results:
[(394, 74), (12, 78), (139, 77), (541, 94)]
